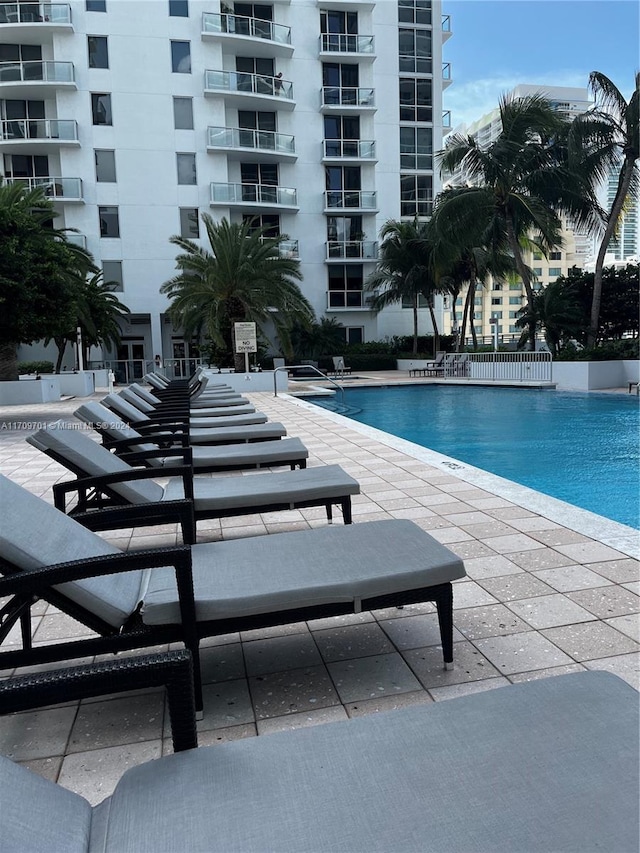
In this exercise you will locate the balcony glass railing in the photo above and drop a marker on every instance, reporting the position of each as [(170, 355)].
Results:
[(54, 188), (347, 299), (364, 250), (362, 149), (257, 84), (253, 194), (286, 248), (77, 239), (446, 119), (446, 71), (365, 200), (65, 130), (446, 23), (260, 140), (46, 70), (35, 13), (341, 96), (238, 25), (342, 43)]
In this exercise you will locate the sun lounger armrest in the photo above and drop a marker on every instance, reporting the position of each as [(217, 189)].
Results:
[(173, 670), (142, 515), (126, 445), (165, 421), (136, 457), (163, 432)]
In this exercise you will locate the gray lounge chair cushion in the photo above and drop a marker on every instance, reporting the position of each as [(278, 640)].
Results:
[(209, 413), (34, 534), (225, 493), (38, 816), (218, 398), (84, 454), (126, 410), (546, 766), (229, 433), (243, 577)]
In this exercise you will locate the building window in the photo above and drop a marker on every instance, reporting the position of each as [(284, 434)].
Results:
[(98, 51), (101, 109), (416, 148), (105, 166), (179, 8), (537, 256), (345, 286), (96, 5), (537, 270), (414, 11), (423, 302), (415, 100), (186, 168), (496, 286), (414, 47), (496, 300), (181, 57), (515, 286), (515, 300), (109, 222), (496, 315), (112, 274), (189, 223), (555, 272), (514, 329), (416, 195), (513, 315), (354, 334), (269, 223), (183, 113), (555, 256)]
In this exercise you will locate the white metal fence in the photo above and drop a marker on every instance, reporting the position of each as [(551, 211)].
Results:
[(507, 366)]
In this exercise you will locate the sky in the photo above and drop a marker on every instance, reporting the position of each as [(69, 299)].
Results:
[(497, 44)]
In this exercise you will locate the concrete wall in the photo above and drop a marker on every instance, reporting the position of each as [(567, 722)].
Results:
[(594, 375), (30, 390)]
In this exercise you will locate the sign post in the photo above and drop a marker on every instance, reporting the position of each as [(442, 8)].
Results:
[(246, 341)]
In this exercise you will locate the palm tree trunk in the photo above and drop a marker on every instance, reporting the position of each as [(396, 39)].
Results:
[(415, 325), (468, 313), (436, 333), (616, 209), (8, 362), (61, 344), (523, 272)]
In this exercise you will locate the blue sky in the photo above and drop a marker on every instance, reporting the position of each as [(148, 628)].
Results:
[(497, 44)]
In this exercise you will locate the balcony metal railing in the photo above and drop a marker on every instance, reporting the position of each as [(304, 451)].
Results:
[(35, 13), (48, 71), (347, 96), (343, 43), (253, 194), (363, 199), (240, 25), (257, 84), (64, 189), (361, 149), (260, 140), (65, 130), (364, 250)]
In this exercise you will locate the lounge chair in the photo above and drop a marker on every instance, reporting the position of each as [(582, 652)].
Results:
[(433, 368), (135, 448), (339, 368), (214, 399), (226, 431), (549, 765), (106, 480), (199, 417), (146, 598)]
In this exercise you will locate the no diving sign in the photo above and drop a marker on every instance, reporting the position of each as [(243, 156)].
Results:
[(246, 338)]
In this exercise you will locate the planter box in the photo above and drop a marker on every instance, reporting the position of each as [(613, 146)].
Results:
[(248, 382), (30, 390), (594, 375), (74, 384), (413, 363)]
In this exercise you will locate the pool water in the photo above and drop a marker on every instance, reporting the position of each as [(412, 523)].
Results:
[(581, 448)]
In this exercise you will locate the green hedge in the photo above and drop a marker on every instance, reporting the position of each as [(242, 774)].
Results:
[(25, 367), (357, 361)]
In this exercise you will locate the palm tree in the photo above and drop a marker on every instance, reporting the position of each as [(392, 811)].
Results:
[(557, 311), (524, 183), (405, 271), (242, 278), (612, 129)]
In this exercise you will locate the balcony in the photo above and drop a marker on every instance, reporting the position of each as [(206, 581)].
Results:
[(28, 22), (347, 5), (245, 144), (77, 239), (260, 197), (446, 75), (288, 249), (446, 28), (351, 250), (247, 36), (249, 91), (446, 120), (57, 189), (348, 300), (354, 201), (37, 135), (349, 149), (34, 78), (347, 99), (342, 44)]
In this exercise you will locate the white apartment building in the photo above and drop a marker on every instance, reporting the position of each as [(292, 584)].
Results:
[(317, 117), (500, 301)]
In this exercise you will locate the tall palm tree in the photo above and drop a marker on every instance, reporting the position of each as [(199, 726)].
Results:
[(524, 183), (242, 278), (557, 311), (405, 270), (99, 310), (612, 130)]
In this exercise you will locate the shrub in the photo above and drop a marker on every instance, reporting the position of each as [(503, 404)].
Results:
[(608, 351), (25, 367)]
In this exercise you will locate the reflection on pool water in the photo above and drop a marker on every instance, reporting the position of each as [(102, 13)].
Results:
[(581, 448)]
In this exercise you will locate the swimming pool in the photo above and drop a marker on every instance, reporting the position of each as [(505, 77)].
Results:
[(581, 448)]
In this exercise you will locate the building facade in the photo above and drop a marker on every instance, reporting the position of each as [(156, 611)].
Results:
[(316, 119)]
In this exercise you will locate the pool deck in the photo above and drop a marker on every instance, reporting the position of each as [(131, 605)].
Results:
[(550, 589)]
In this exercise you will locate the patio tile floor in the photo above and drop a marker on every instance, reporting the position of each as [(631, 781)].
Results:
[(540, 599)]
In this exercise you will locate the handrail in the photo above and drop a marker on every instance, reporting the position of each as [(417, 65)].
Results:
[(288, 367)]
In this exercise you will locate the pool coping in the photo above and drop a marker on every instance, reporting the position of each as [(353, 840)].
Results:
[(612, 533)]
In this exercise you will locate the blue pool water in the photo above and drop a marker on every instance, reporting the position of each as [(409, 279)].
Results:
[(581, 448)]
